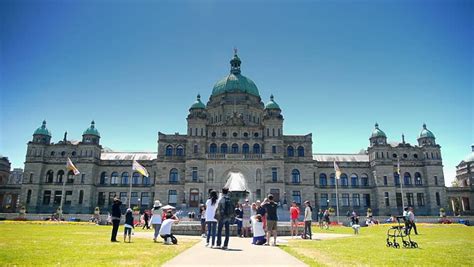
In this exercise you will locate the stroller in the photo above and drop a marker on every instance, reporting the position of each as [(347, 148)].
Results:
[(400, 231)]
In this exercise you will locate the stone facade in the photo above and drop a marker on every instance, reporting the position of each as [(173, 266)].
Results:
[(461, 197), (10, 184), (234, 132)]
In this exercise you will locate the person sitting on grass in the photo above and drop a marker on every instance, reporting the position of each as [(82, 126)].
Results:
[(258, 232), (128, 226), (165, 230)]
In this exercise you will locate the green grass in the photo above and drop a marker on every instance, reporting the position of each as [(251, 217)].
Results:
[(439, 245), (78, 244)]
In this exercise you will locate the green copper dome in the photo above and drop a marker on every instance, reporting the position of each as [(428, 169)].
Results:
[(470, 157), (91, 130), (235, 82), (272, 104), (43, 130), (198, 104), (377, 132), (426, 133)]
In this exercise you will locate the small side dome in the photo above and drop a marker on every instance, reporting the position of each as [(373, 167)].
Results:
[(91, 130), (198, 104), (272, 104), (426, 133), (377, 132), (470, 157), (43, 130)]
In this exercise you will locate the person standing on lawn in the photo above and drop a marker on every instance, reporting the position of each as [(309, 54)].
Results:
[(308, 218), (156, 218), (294, 213), (326, 219), (320, 218), (146, 217), (128, 226), (272, 219), (116, 214), (411, 220)]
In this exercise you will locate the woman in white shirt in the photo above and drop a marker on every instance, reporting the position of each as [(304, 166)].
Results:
[(211, 206), (258, 232), (157, 213)]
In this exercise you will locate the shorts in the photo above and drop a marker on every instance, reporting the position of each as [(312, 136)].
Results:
[(246, 223), (294, 220), (271, 225), (127, 231)]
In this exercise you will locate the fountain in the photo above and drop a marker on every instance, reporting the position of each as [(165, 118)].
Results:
[(237, 186)]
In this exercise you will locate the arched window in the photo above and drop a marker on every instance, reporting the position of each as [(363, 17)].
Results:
[(396, 178), (364, 179), (195, 150), (290, 151), (258, 176), (169, 151), (213, 149), (256, 149), (49, 176), (136, 178), (224, 148), (114, 178), (418, 179), (103, 178), (210, 175), (235, 148), (332, 179), (59, 176), (245, 148), (344, 180), (295, 176), (180, 151), (323, 180), (354, 180), (174, 176), (407, 179), (70, 177), (300, 151), (125, 178)]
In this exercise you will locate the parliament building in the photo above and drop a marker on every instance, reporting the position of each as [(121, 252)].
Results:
[(234, 132)]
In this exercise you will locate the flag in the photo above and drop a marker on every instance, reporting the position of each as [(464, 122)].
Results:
[(139, 168), (71, 167), (398, 167), (337, 170)]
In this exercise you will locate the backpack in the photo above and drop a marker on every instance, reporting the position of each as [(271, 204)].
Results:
[(229, 210)]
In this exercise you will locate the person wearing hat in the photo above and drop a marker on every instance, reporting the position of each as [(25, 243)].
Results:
[(156, 218), (116, 214)]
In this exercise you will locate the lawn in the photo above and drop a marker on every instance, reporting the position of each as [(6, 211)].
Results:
[(78, 244), (439, 245)]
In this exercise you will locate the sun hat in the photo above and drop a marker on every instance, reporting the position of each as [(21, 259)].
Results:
[(156, 204)]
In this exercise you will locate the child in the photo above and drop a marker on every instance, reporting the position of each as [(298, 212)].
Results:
[(258, 232), (128, 226), (165, 231)]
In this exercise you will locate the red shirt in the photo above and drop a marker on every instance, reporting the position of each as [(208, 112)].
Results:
[(294, 213)]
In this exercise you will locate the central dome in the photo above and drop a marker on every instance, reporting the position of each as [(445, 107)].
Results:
[(235, 82)]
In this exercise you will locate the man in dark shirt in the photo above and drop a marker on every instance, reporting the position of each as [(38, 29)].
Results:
[(272, 218), (116, 214)]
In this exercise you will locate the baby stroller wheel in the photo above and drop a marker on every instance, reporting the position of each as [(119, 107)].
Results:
[(396, 245), (389, 244), (414, 244)]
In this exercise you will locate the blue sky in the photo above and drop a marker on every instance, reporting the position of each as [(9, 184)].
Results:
[(335, 68)]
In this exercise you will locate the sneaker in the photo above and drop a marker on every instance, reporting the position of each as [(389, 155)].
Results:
[(225, 248), (207, 244)]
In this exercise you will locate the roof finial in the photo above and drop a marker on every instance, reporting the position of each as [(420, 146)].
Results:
[(235, 63), (271, 97), (44, 124), (65, 136), (376, 125), (199, 97), (235, 51), (424, 125), (472, 147), (403, 138)]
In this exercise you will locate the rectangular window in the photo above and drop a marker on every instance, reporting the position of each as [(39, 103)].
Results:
[(345, 200), (387, 200), (396, 179), (274, 149), (111, 197), (124, 197), (57, 197), (46, 197), (259, 194), (195, 174), (28, 197), (101, 199), (195, 149), (410, 199), (324, 200), (385, 180), (356, 200), (83, 178), (134, 199), (315, 200), (333, 200), (297, 197), (436, 180), (145, 199), (274, 174), (399, 200), (438, 199), (68, 198), (146, 180), (31, 178), (172, 197), (420, 199), (366, 200)]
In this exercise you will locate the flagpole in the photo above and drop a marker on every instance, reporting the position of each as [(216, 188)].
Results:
[(130, 190), (337, 203), (401, 182), (63, 196)]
